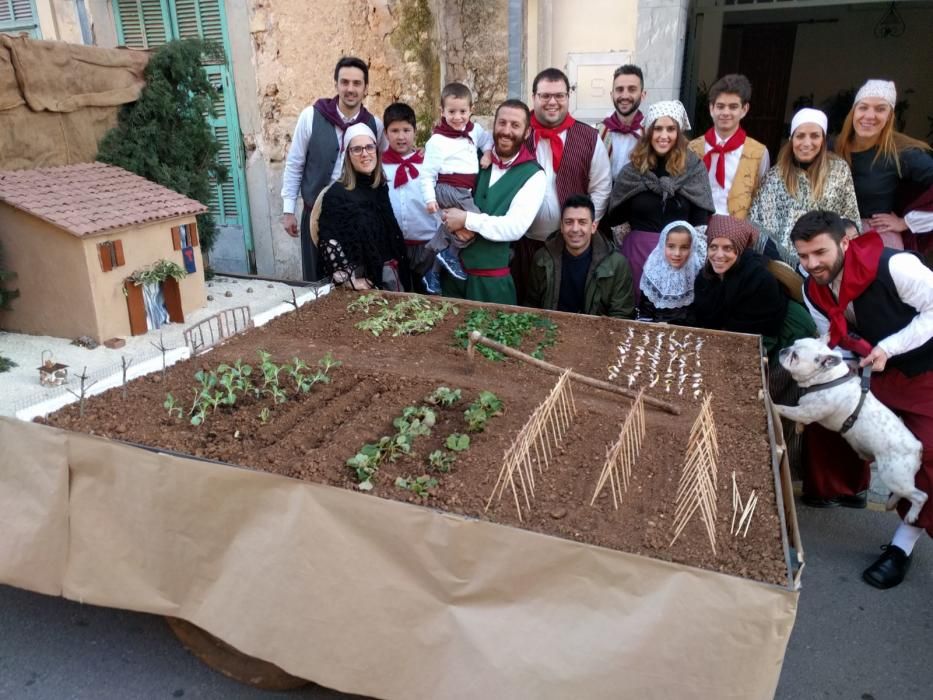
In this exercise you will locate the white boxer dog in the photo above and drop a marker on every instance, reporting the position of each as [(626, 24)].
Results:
[(833, 397)]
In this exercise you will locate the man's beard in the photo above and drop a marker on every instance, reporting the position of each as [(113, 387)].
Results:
[(513, 144), (635, 105), (836, 266)]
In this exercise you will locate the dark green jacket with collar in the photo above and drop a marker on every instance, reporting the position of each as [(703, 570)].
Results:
[(608, 289)]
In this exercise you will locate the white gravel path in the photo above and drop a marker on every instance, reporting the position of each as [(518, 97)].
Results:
[(22, 395)]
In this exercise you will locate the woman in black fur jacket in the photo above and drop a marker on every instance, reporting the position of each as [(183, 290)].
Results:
[(360, 241)]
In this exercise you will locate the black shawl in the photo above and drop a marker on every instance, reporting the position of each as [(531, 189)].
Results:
[(365, 230), (748, 299)]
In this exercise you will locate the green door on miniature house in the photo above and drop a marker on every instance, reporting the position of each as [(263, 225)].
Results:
[(145, 24), (19, 16)]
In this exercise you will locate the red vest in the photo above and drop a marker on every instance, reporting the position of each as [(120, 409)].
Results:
[(573, 176)]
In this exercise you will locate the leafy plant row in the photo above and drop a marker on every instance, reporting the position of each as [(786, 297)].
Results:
[(227, 384), (506, 328), (408, 317), (417, 421)]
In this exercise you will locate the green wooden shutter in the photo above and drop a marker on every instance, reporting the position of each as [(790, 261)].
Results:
[(142, 24), (200, 18), (17, 16), (223, 203)]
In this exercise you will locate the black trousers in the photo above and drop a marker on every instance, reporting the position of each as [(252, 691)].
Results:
[(311, 270)]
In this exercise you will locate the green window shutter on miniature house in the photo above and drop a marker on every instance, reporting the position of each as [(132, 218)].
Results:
[(150, 23), (18, 16)]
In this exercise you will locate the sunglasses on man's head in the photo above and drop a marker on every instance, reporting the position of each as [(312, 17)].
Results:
[(359, 150)]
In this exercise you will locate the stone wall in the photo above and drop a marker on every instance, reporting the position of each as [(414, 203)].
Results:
[(294, 46)]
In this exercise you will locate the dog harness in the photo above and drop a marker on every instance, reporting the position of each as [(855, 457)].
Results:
[(866, 383)]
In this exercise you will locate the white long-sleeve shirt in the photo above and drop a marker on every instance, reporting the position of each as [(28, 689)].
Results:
[(515, 222), (408, 205), (914, 283), (721, 194), (295, 160), (547, 220), (446, 155)]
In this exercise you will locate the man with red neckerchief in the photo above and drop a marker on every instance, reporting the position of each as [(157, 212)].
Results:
[(574, 162), (736, 163), (877, 303), (621, 130)]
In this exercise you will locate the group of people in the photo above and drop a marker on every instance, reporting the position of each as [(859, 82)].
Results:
[(633, 220)]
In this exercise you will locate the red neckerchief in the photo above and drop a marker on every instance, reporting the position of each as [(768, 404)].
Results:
[(613, 123), (445, 129), (734, 142), (327, 107), (406, 165), (552, 134), (524, 155), (859, 269)]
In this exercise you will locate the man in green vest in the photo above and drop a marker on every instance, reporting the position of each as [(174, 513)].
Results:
[(508, 194)]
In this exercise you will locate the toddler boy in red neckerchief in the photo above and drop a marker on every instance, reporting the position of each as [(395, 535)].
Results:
[(448, 175)]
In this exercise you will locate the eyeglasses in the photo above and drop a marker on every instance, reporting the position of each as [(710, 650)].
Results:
[(548, 96), (360, 150)]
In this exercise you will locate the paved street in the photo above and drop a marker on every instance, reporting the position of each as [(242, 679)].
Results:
[(850, 641)]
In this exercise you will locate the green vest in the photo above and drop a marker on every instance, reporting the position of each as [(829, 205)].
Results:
[(489, 255)]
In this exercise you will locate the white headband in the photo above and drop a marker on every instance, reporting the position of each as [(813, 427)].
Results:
[(668, 108), (808, 115), (358, 130), (878, 88)]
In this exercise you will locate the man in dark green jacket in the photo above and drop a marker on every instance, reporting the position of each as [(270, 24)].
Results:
[(579, 271)]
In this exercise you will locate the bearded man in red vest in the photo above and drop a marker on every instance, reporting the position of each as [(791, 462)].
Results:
[(574, 160)]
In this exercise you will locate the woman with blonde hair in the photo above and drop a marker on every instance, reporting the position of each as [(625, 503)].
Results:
[(806, 176), (359, 238), (893, 173), (663, 182)]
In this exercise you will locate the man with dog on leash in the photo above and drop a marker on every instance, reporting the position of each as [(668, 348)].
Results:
[(876, 303)]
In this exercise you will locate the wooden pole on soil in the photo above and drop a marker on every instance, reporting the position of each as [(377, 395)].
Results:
[(477, 337)]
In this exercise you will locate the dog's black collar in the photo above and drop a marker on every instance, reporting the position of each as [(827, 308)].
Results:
[(866, 383)]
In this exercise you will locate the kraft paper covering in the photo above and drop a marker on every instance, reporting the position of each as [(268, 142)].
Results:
[(57, 100), (373, 596)]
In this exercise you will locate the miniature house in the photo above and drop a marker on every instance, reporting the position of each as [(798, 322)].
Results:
[(75, 234)]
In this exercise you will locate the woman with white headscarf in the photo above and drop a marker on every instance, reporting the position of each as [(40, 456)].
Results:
[(893, 173), (664, 182), (806, 176), (670, 273), (359, 238)]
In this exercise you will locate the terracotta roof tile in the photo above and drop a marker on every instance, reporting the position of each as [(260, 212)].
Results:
[(89, 198)]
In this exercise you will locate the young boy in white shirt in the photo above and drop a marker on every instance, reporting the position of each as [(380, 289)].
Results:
[(402, 164), (448, 175)]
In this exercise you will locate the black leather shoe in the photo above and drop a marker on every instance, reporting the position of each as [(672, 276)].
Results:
[(859, 500), (889, 569)]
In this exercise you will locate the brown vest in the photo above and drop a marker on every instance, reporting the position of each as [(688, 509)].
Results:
[(745, 183)]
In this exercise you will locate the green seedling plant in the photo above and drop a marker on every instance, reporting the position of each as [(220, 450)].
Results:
[(481, 410), (366, 301), (415, 421), (441, 461), (443, 396), (171, 405), (420, 486), (264, 415), (457, 442)]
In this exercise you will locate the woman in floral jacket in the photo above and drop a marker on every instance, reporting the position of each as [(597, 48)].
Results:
[(807, 176)]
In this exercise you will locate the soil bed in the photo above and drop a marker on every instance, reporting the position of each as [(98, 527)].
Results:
[(312, 435)]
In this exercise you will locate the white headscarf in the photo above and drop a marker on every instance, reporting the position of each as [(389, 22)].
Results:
[(668, 108), (360, 129), (665, 286), (878, 88), (808, 115)]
